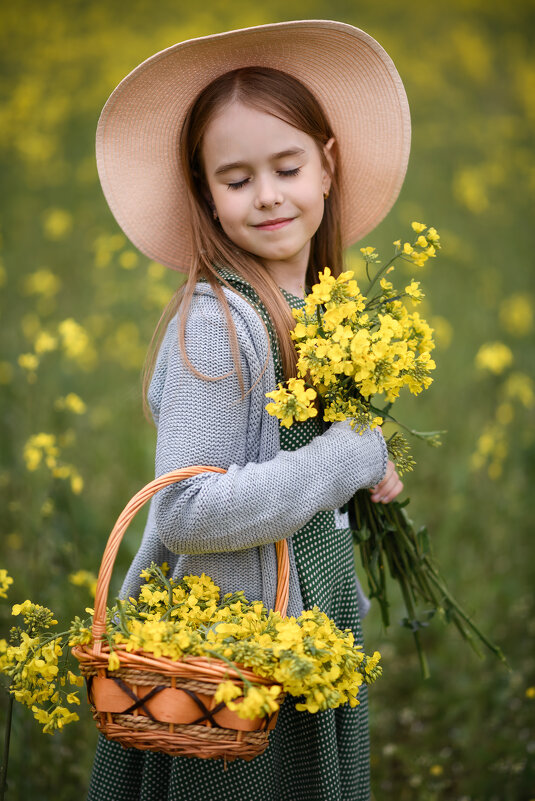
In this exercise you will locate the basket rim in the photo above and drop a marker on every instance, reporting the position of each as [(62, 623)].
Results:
[(211, 669)]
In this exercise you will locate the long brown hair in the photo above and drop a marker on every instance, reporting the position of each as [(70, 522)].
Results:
[(274, 92)]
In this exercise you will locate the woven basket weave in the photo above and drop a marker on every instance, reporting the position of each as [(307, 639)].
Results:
[(158, 704)]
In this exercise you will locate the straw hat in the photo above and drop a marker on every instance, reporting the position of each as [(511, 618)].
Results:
[(350, 74)]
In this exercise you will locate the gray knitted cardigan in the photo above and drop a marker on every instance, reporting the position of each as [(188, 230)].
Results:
[(225, 525)]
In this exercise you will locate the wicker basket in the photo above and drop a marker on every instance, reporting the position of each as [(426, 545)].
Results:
[(158, 704)]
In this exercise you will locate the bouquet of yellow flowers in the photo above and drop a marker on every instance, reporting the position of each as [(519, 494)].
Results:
[(356, 353)]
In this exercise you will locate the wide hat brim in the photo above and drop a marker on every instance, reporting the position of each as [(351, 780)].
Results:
[(350, 74)]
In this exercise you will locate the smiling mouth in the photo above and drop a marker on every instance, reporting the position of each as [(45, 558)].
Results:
[(271, 225)]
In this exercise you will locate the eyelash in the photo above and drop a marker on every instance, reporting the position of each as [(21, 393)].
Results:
[(283, 173)]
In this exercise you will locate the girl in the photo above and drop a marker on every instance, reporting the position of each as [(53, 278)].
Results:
[(249, 158)]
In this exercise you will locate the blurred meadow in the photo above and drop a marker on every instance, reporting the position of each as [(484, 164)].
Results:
[(79, 305)]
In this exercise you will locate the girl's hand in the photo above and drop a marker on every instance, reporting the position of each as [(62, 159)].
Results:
[(389, 488)]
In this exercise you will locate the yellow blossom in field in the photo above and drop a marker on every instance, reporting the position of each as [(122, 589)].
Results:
[(505, 413), (84, 578), (42, 282), (530, 693), (516, 315), (105, 246), (519, 386), (28, 361), (128, 259), (5, 581), (76, 343), (494, 357), (45, 342), (57, 223), (38, 447), (436, 770), (47, 508), (418, 227), (72, 403)]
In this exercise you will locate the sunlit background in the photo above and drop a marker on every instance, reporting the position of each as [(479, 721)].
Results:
[(79, 305)]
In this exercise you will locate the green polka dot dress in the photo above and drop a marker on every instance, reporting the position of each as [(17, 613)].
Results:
[(320, 757)]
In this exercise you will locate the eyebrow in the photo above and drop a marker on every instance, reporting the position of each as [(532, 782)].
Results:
[(294, 151)]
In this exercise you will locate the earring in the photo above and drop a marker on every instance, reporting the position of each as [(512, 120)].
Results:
[(214, 212), (326, 194)]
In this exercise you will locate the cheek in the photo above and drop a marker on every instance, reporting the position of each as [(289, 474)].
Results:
[(228, 205)]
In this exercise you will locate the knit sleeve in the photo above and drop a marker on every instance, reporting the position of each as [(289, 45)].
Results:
[(212, 422)]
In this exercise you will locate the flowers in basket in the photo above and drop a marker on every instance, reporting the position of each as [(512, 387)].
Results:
[(307, 657), (357, 350)]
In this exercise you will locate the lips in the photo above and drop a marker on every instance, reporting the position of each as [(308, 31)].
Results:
[(270, 225)]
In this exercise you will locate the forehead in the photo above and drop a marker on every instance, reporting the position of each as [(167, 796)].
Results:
[(243, 133)]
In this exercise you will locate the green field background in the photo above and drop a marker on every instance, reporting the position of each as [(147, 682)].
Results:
[(466, 734)]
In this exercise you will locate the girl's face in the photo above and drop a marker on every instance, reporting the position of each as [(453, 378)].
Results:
[(267, 182)]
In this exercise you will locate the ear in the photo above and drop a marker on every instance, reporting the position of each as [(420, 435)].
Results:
[(329, 152)]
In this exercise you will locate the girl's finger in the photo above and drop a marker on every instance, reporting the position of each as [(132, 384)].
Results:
[(389, 494), (388, 488)]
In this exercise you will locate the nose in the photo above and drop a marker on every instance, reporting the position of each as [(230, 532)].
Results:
[(268, 193)]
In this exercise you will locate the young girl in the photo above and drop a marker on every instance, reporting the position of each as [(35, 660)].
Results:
[(249, 159)]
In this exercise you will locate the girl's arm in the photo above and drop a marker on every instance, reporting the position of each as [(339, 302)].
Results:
[(264, 497)]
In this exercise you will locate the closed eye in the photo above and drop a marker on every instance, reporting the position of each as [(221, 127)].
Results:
[(238, 184), (283, 173)]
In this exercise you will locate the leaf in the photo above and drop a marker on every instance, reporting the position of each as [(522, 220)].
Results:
[(361, 535)]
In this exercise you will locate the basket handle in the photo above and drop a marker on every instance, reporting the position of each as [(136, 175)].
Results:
[(123, 521)]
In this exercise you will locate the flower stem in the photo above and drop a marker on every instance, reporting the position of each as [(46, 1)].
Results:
[(390, 537), (5, 755)]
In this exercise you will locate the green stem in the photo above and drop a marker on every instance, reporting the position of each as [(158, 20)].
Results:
[(380, 272), (246, 682), (5, 755), (416, 634), (495, 649), (423, 435)]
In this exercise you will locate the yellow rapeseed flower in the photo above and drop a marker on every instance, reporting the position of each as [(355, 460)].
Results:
[(28, 361), (45, 342), (57, 223), (5, 581), (128, 259), (72, 403), (84, 578), (494, 357), (519, 386), (516, 314), (42, 282)]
